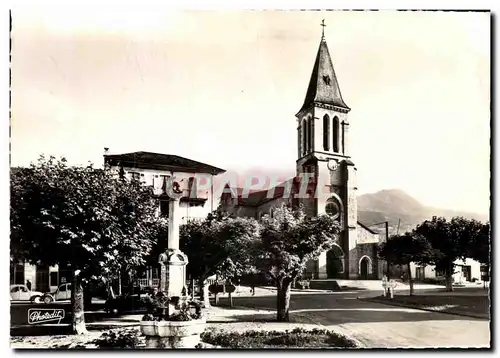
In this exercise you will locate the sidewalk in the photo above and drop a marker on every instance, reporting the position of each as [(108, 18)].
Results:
[(466, 304)]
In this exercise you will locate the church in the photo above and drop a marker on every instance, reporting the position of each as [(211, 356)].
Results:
[(323, 158)]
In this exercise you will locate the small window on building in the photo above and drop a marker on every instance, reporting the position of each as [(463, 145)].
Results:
[(164, 208), (135, 175), (192, 187), (164, 180)]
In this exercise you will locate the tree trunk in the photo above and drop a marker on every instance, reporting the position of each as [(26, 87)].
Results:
[(120, 283), (216, 299), (449, 278), (230, 299), (78, 308), (205, 298), (283, 303), (192, 288), (410, 279)]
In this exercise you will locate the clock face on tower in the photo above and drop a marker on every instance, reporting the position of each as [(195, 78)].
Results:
[(333, 164)]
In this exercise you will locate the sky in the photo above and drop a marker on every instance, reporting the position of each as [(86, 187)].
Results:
[(224, 87)]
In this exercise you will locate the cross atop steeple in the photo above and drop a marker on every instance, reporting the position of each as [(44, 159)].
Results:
[(323, 85), (323, 30)]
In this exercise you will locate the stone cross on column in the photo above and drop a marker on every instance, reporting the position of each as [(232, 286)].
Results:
[(173, 261)]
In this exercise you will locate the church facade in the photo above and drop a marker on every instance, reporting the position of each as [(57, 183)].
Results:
[(324, 162)]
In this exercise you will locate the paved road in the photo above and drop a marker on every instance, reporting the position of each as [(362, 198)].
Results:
[(377, 325)]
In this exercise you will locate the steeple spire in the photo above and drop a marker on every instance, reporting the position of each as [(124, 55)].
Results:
[(323, 86)]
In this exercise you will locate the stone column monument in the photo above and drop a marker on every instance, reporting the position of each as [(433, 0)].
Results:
[(173, 261)]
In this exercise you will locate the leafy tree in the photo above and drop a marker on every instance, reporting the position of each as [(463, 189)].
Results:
[(221, 245), (451, 239), (405, 249), (479, 246), (84, 218), (288, 241)]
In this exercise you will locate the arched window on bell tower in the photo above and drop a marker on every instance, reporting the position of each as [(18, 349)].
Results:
[(304, 136), (335, 132), (326, 132), (310, 132)]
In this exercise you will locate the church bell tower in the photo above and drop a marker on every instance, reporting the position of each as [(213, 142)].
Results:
[(323, 154)]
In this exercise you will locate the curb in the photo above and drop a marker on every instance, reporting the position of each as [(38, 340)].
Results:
[(311, 290), (93, 326), (397, 304)]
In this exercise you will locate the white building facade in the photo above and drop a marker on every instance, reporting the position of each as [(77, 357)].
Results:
[(467, 270)]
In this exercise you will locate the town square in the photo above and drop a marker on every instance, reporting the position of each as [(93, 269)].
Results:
[(250, 180)]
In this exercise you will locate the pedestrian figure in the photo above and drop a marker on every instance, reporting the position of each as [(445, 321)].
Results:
[(28, 284), (252, 288)]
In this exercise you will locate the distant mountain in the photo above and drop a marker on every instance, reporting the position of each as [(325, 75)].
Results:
[(398, 207)]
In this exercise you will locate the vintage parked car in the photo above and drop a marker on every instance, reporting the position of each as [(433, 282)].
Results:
[(21, 293), (62, 293), (128, 302)]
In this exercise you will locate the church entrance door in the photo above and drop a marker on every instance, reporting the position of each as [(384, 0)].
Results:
[(364, 268), (335, 262)]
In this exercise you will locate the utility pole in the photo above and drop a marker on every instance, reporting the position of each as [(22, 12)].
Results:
[(386, 240), (399, 222)]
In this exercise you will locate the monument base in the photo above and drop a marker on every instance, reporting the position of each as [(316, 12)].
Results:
[(173, 272), (173, 334)]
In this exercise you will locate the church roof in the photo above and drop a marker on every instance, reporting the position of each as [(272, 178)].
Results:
[(257, 198), (367, 228), (323, 85), (148, 160)]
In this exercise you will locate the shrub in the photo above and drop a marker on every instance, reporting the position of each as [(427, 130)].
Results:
[(298, 337), (435, 281), (122, 339)]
